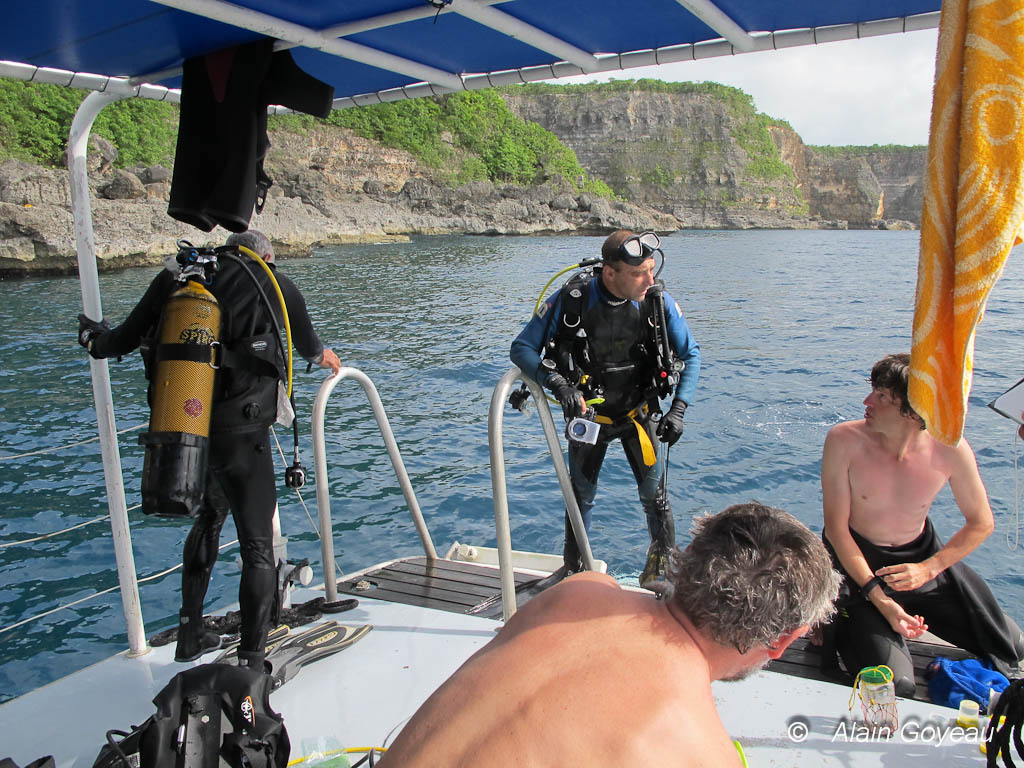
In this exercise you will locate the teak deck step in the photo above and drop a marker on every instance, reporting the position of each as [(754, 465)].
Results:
[(802, 659), (446, 585)]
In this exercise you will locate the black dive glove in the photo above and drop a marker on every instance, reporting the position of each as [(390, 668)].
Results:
[(88, 330), (671, 427), (570, 398)]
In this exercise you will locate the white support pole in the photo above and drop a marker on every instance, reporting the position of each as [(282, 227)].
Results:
[(717, 19), (512, 27), (268, 25), (78, 143)]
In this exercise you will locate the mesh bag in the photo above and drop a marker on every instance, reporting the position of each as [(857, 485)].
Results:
[(877, 693)]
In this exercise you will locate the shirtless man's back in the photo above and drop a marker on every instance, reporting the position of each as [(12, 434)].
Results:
[(879, 477), (588, 673), (617, 691)]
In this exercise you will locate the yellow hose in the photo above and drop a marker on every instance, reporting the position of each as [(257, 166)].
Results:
[(341, 751), (284, 308), (540, 299), (548, 285)]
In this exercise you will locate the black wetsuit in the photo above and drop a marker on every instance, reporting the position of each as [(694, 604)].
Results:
[(222, 130), (957, 605), (240, 476)]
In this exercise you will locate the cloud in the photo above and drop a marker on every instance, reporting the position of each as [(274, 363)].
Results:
[(871, 91)]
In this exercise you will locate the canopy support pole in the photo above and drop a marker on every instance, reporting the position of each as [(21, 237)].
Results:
[(78, 144)]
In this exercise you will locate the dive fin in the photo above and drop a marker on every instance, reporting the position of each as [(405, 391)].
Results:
[(321, 641), (528, 589), (274, 638)]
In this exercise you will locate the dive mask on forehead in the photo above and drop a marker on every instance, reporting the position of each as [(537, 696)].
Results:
[(638, 248)]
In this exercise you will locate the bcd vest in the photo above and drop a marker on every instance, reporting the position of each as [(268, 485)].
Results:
[(608, 349), (210, 716)]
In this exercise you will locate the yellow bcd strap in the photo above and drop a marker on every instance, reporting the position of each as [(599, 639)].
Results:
[(646, 446)]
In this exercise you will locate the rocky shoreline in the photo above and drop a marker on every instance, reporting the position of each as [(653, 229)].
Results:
[(334, 187), (132, 227)]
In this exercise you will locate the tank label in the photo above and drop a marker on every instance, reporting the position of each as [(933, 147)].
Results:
[(196, 335), (193, 407)]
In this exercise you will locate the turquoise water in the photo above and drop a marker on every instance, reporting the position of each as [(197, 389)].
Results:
[(789, 324)]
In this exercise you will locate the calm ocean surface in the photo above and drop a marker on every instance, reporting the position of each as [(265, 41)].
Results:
[(789, 325)]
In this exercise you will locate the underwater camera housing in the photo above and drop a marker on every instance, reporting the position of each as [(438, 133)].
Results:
[(583, 429)]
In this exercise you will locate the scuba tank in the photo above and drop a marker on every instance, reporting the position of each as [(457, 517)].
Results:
[(174, 468)]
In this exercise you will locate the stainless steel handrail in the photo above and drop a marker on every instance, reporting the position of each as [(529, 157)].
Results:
[(495, 418), (323, 496)]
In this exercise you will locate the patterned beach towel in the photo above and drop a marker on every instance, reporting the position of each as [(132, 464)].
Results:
[(973, 199)]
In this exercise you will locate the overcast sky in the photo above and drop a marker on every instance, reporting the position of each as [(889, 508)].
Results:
[(871, 91)]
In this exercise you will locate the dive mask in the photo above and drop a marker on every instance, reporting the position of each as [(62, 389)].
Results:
[(636, 249)]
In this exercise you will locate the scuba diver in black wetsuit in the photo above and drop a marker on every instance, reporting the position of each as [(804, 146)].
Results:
[(240, 474), (609, 340)]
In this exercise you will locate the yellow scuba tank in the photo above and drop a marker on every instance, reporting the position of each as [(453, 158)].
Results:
[(184, 365)]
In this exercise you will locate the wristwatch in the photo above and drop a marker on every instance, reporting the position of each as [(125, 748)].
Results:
[(875, 581)]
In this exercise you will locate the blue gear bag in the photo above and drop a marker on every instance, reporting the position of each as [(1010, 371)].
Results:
[(950, 682)]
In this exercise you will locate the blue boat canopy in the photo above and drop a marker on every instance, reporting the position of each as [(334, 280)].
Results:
[(387, 50)]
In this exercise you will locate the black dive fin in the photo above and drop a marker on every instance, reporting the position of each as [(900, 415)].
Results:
[(274, 638), (312, 645), (526, 589)]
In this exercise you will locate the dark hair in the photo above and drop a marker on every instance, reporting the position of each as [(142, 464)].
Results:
[(892, 372), (751, 574), (610, 249)]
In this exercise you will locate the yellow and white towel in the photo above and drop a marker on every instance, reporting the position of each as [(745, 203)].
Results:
[(973, 199)]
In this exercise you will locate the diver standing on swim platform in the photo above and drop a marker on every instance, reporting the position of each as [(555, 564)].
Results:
[(236, 473), (611, 345)]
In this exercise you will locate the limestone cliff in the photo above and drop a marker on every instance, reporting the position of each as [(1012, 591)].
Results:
[(684, 153), (677, 152)]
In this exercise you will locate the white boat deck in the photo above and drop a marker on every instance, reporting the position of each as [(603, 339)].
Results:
[(359, 696), (363, 695), (787, 721)]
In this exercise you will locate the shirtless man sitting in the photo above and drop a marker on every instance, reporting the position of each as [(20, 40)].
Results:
[(589, 674), (879, 476)]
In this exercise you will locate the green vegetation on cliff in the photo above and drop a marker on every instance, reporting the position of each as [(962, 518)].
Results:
[(750, 129), (469, 136), (466, 136), (35, 119), (853, 149)]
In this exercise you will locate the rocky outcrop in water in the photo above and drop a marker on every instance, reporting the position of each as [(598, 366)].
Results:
[(330, 187)]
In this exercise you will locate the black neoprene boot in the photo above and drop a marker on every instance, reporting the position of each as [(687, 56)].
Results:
[(193, 640), (662, 528), (253, 660)]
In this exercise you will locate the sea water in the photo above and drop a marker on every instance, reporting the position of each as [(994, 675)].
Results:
[(789, 325)]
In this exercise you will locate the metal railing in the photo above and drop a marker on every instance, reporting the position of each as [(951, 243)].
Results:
[(495, 440), (323, 495)]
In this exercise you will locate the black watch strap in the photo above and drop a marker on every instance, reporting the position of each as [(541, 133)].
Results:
[(875, 581)]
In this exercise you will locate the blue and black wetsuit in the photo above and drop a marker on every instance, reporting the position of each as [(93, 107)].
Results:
[(620, 360)]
